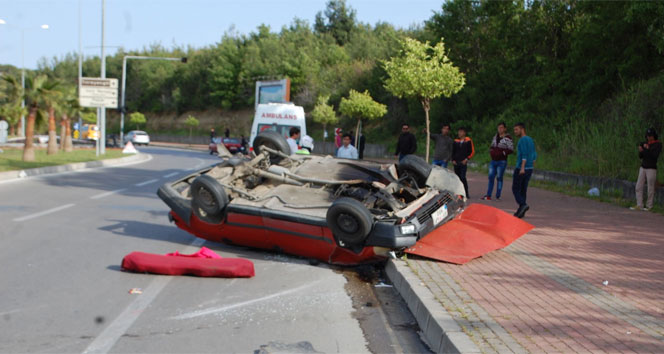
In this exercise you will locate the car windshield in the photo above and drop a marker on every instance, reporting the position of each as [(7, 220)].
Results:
[(232, 140)]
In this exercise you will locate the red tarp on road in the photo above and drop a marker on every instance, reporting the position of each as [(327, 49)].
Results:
[(478, 230)]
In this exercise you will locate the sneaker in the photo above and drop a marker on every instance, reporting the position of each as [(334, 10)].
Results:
[(497, 199), (486, 197), (636, 208), (521, 212), (645, 209)]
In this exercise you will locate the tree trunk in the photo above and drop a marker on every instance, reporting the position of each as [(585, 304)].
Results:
[(357, 132), (29, 149), (52, 136), (427, 106), (63, 121), (12, 130), (68, 145)]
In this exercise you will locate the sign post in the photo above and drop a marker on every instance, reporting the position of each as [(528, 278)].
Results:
[(100, 93)]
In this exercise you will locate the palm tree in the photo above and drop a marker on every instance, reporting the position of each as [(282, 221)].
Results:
[(37, 89), (12, 110), (69, 108), (50, 96)]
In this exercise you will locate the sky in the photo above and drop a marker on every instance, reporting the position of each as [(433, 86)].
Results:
[(135, 24)]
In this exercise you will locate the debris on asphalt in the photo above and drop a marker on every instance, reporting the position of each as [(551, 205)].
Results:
[(135, 291), (382, 285), (606, 282)]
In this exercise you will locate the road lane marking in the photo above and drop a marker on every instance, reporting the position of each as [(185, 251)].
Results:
[(171, 174), (106, 194), (45, 212), (214, 310), (109, 336), (145, 183)]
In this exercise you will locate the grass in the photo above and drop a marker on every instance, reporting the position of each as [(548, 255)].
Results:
[(12, 159)]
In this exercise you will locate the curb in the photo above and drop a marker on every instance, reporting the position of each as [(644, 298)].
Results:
[(179, 146), (32, 172), (440, 330)]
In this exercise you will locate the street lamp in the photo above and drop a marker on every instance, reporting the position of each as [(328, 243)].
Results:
[(23, 29), (124, 82)]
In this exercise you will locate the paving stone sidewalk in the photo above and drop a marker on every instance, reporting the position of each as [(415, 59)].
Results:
[(588, 278)]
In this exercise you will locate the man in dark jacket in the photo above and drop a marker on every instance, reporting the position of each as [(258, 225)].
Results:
[(501, 146), (648, 153), (442, 152), (462, 151), (407, 144)]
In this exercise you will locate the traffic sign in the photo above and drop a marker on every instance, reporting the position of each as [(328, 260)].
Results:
[(98, 92)]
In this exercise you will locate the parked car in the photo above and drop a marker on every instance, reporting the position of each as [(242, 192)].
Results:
[(233, 145), (137, 137), (334, 210)]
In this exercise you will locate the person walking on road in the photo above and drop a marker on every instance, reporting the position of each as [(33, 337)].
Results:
[(347, 151), (212, 135), (294, 134), (443, 144), (649, 152), (227, 133), (462, 151), (407, 143), (501, 146), (337, 140), (525, 158)]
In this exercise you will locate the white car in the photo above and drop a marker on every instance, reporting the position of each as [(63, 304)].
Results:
[(137, 137)]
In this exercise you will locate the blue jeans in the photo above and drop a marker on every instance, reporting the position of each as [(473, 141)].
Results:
[(440, 163), (520, 185), (496, 171)]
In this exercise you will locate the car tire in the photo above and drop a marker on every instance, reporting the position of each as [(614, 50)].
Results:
[(205, 217), (415, 167), (274, 141), (350, 221), (208, 195)]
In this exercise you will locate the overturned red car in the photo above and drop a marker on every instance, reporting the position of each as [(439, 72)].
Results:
[(335, 210)]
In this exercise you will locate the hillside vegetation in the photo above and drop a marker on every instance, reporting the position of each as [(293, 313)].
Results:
[(585, 76)]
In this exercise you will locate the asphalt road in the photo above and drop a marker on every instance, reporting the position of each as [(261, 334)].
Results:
[(62, 240)]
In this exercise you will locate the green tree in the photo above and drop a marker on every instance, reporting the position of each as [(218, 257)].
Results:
[(11, 109), (192, 123), (423, 72), (361, 106), (68, 109), (137, 118), (340, 21), (323, 113)]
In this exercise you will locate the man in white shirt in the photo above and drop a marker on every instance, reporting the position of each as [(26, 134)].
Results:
[(294, 135), (347, 151)]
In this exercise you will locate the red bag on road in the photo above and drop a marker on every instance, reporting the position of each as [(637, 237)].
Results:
[(142, 262)]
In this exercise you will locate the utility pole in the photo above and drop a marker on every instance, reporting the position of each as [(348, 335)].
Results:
[(80, 62), (101, 141)]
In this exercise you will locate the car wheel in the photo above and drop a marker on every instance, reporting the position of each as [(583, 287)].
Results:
[(203, 216), (350, 221), (414, 166), (208, 195), (272, 140)]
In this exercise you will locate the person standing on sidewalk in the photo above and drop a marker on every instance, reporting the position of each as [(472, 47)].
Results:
[(501, 146), (462, 151), (648, 153), (443, 144), (525, 157), (407, 143)]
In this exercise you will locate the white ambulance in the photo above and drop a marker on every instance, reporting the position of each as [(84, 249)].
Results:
[(279, 117)]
